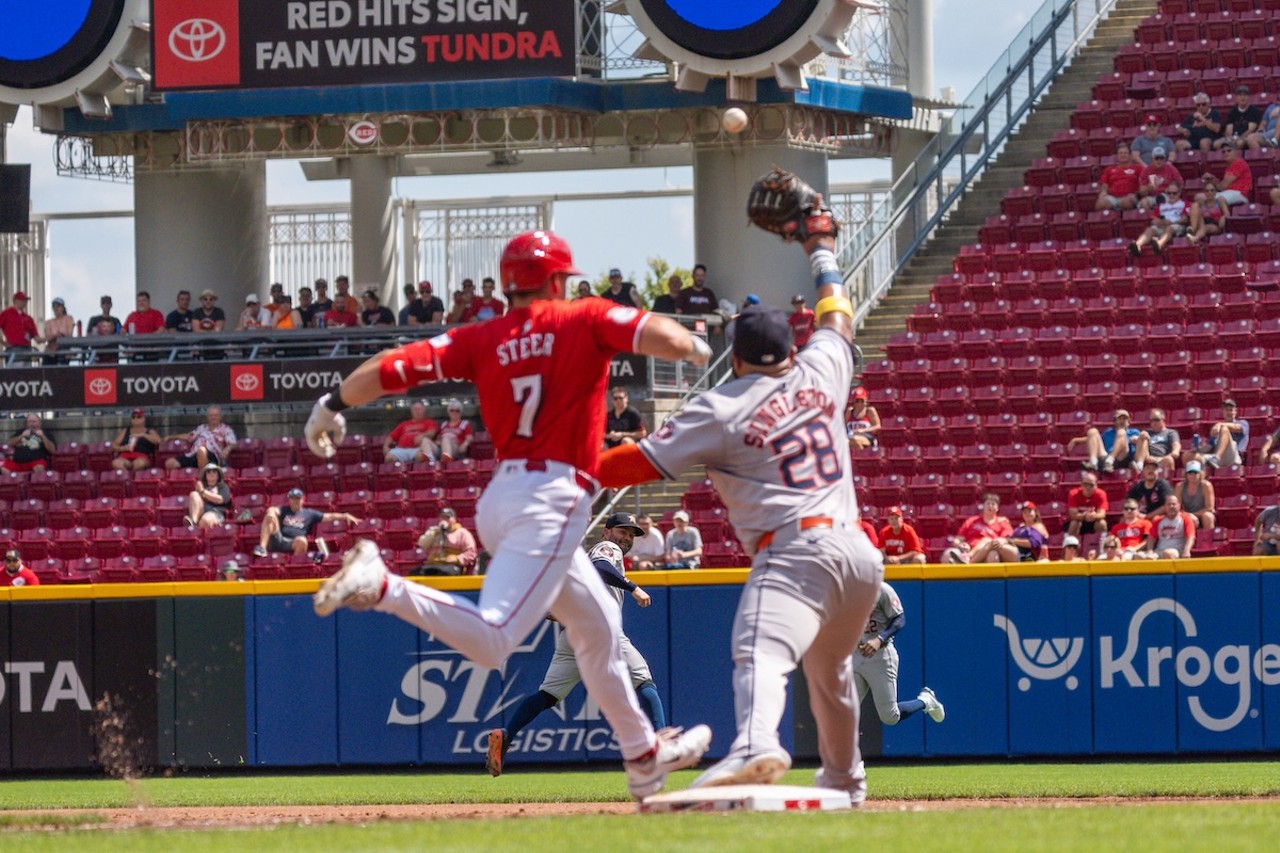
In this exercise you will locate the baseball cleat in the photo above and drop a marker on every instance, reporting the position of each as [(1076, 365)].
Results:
[(857, 789), (497, 750), (676, 749), (932, 706), (764, 768), (358, 585)]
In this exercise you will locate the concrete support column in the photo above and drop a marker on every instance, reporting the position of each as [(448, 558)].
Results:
[(197, 230), (741, 259), (373, 233), (911, 45)]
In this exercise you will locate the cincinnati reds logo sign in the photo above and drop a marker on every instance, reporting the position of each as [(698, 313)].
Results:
[(197, 39), (100, 387), (363, 133), (247, 382)]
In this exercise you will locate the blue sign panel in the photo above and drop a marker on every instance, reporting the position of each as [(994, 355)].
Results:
[(296, 718), (965, 662), (1267, 666), (702, 660), (375, 653)]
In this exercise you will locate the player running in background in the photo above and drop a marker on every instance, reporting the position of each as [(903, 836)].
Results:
[(772, 440), (620, 530), (540, 372), (875, 667)]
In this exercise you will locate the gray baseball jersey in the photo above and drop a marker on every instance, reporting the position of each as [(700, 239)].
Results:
[(886, 608), (774, 447)]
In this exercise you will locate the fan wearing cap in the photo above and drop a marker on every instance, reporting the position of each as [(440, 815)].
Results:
[(254, 316), (1197, 496), (620, 530), (1157, 176), (285, 528), (1030, 537), (1109, 448), (540, 371), (105, 323), (861, 420), (683, 545), (1070, 550), (15, 572), (899, 541), (135, 445), (801, 320), (450, 548), (1150, 139), (622, 292), (1241, 121), (19, 328), (208, 317), (209, 503), (60, 325), (771, 442)]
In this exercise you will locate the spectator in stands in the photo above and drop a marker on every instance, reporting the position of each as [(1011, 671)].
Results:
[(1270, 454), (983, 538), (1111, 551), (450, 548), (584, 289), (649, 550), (283, 315), (1228, 440), (181, 318), (1070, 550), (254, 316), (274, 292), (374, 313), (669, 302), (323, 304), (19, 328), (872, 534), (413, 440), (698, 299), (135, 446), (1031, 537), (209, 504), (1209, 214), (60, 325), (899, 540), (208, 317), (433, 307), (456, 434), (1114, 446), (1265, 136), (1175, 531), (413, 307), (1158, 442), (1169, 219), (306, 307), (1086, 507), (461, 302), (1241, 122), (1266, 531), (622, 292), (94, 326), (341, 316), (15, 572), (1195, 493), (1199, 130), (231, 571), (862, 421), (285, 528), (1236, 185), (212, 441), (486, 306), (1144, 146), (1151, 490), (144, 320), (623, 424), (342, 287), (33, 447), (1132, 531), (801, 320), (1156, 177), (684, 544), (1118, 183)]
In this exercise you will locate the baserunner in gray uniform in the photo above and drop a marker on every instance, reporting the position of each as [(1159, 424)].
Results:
[(620, 530), (875, 667), (772, 440)]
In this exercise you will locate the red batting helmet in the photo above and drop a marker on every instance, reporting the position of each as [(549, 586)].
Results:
[(533, 257)]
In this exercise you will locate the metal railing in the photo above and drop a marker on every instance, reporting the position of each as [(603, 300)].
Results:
[(926, 193)]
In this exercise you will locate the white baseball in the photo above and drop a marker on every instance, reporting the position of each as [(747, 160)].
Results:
[(734, 120)]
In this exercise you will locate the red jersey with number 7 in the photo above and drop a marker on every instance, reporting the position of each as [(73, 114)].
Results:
[(541, 372)]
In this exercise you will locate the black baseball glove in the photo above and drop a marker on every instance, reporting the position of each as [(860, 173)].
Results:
[(782, 203)]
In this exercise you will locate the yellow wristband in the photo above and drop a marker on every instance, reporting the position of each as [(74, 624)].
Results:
[(832, 303)]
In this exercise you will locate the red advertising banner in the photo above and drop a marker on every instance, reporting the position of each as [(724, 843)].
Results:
[(259, 44)]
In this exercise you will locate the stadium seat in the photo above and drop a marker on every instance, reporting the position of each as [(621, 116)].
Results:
[(71, 543), (62, 513)]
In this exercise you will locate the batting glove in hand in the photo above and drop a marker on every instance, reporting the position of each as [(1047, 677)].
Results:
[(322, 423), (701, 352), (782, 203)]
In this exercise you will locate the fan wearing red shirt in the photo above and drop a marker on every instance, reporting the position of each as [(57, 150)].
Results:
[(412, 440), (486, 307), (801, 320), (1236, 185), (899, 540), (1156, 177), (15, 573), (1086, 507), (144, 320), (1119, 182), (984, 538), (541, 372), (1133, 531), (340, 314)]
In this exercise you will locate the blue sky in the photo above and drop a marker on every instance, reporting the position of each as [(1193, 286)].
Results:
[(93, 257)]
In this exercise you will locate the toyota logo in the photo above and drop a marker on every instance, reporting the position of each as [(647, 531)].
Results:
[(197, 39), (247, 382), (100, 387)]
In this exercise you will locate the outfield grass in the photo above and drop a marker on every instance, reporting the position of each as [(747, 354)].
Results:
[(1174, 826)]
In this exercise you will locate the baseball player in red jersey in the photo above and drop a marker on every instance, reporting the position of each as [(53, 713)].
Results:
[(772, 441), (541, 372)]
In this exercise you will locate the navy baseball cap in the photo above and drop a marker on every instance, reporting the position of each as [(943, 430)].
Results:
[(295, 493), (624, 519), (762, 335)]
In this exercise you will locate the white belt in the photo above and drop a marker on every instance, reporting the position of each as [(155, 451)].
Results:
[(556, 469)]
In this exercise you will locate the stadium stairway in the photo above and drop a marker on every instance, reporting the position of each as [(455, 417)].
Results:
[(1051, 113)]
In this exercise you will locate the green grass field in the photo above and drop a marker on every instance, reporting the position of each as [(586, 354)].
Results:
[(915, 825)]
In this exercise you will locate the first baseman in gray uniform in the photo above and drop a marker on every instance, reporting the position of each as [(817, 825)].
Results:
[(772, 440), (875, 667)]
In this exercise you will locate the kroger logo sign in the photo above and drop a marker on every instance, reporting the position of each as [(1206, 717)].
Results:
[(1138, 665)]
